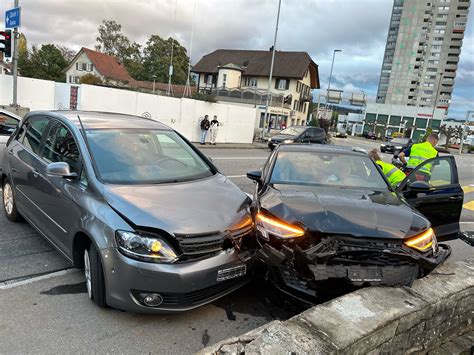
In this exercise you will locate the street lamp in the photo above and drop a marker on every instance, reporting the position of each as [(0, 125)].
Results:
[(332, 66)]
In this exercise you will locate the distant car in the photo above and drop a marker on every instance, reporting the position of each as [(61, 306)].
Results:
[(396, 145), (153, 223), (8, 123), (341, 133), (327, 213), (371, 135), (298, 134)]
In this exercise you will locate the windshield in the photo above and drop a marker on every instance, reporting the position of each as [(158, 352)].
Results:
[(293, 131), (331, 169), (400, 140), (137, 156)]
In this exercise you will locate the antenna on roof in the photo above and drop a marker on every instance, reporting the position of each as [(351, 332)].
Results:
[(187, 88), (84, 135)]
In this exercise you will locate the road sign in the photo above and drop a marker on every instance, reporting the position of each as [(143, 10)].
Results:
[(12, 18)]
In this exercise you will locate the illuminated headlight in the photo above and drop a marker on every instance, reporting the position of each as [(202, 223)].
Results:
[(152, 249), (288, 141), (422, 241), (382, 145), (398, 147), (269, 139), (270, 225)]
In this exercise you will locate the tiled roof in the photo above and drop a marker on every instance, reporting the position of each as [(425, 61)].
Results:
[(257, 63), (107, 65)]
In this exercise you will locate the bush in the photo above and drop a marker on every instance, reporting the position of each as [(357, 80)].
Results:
[(90, 79), (204, 97)]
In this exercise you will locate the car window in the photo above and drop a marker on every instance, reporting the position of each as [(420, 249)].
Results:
[(293, 131), (34, 132), (329, 169), (144, 156), (60, 146), (438, 172), (400, 140), (7, 124)]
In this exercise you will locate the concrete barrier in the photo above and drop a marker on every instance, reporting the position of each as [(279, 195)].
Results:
[(433, 312)]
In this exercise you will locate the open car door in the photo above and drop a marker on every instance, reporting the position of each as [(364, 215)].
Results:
[(437, 195)]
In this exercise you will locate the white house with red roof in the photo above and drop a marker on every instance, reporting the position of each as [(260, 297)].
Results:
[(106, 67)]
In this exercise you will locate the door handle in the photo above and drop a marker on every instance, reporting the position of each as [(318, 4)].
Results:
[(455, 198), (35, 173), (10, 151)]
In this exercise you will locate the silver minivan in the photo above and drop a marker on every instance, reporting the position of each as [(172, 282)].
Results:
[(148, 217)]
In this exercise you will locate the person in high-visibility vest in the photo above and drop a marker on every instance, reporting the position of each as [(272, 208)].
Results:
[(391, 172), (418, 153)]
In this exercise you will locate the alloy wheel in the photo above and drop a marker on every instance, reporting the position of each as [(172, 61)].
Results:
[(87, 273), (8, 198)]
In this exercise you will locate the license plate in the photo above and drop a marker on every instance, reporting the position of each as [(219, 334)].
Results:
[(231, 273), (365, 275)]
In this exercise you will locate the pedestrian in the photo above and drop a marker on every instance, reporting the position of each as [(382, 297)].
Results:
[(213, 130), (391, 172), (418, 153), (205, 124)]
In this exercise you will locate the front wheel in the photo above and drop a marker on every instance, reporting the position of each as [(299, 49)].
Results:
[(9, 204), (94, 276)]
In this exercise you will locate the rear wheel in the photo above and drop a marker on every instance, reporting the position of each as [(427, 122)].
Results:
[(9, 204), (94, 276)]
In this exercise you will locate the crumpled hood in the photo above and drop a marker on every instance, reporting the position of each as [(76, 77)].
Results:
[(203, 206), (360, 213)]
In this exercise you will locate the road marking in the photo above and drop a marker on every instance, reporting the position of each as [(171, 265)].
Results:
[(468, 189), (238, 158), (469, 205), (12, 283)]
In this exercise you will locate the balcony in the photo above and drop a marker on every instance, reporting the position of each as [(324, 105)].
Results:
[(451, 67), (306, 96), (250, 96), (454, 51)]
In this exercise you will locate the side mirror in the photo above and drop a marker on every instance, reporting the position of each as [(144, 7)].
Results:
[(61, 170), (255, 175), (419, 186)]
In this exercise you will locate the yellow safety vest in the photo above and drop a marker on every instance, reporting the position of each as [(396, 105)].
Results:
[(419, 153), (393, 174)]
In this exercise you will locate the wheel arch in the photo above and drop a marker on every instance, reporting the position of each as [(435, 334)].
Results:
[(80, 242)]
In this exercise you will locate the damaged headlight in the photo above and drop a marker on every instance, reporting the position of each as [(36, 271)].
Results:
[(270, 225), (422, 241), (143, 248)]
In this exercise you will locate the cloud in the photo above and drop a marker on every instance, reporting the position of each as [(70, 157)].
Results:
[(358, 28)]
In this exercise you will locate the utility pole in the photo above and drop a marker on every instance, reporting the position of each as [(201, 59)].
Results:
[(267, 119), (15, 61)]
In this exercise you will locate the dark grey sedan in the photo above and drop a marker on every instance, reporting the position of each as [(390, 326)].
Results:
[(152, 222)]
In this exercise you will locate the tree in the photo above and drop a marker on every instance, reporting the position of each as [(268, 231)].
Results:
[(113, 42), (156, 59), (45, 63), (68, 53), (451, 132), (90, 79)]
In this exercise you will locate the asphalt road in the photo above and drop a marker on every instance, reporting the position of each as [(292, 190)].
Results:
[(75, 324)]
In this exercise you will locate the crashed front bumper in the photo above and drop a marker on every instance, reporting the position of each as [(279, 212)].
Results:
[(357, 262)]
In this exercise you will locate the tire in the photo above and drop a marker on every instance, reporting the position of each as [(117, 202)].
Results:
[(9, 204), (94, 276)]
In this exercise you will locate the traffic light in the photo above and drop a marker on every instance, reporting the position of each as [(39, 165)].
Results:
[(7, 42)]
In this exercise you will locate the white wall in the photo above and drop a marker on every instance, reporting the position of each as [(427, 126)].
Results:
[(237, 122), (33, 93)]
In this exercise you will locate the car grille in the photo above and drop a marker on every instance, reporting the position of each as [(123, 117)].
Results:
[(200, 296), (201, 244)]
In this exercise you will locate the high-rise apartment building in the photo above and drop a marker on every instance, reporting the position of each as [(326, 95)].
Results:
[(422, 52)]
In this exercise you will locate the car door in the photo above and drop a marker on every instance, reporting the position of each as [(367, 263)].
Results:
[(8, 124), (442, 202), (24, 165), (57, 195)]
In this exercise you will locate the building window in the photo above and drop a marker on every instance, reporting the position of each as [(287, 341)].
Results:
[(90, 67), (70, 78), (224, 80), (78, 80), (439, 31), (250, 81), (433, 62), (443, 8), (282, 84)]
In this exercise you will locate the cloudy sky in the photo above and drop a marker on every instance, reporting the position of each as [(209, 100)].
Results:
[(359, 28)]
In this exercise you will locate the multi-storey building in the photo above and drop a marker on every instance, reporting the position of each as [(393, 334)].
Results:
[(422, 52), (241, 76)]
